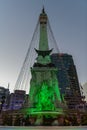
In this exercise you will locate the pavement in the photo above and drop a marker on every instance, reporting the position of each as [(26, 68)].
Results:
[(44, 128)]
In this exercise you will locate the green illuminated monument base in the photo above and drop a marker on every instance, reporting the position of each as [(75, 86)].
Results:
[(44, 91)]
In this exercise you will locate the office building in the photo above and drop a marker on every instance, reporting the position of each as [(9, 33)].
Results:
[(4, 98), (17, 99), (67, 78)]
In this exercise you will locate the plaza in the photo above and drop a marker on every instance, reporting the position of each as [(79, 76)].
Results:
[(45, 128), (47, 92)]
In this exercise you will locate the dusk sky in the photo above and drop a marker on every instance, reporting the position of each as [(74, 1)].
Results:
[(18, 18)]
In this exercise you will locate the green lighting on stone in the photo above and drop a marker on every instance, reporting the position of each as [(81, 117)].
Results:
[(45, 98), (44, 92)]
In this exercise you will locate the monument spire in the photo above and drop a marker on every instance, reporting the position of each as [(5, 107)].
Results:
[(43, 42), (43, 10), (43, 50)]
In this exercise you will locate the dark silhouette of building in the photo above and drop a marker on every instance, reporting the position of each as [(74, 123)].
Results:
[(17, 99), (67, 78), (4, 96)]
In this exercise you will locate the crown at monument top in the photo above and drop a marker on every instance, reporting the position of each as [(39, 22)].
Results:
[(43, 17), (43, 12)]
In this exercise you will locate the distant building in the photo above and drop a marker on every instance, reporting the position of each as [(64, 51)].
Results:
[(17, 99), (67, 79), (4, 98), (85, 90), (82, 107)]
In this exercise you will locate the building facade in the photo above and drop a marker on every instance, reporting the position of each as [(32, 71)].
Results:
[(4, 98), (67, 78), (17, 99)]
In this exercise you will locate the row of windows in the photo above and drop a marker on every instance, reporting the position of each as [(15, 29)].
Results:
[(16, 102)]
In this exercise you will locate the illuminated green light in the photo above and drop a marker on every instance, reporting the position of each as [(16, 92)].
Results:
[(45, 98)]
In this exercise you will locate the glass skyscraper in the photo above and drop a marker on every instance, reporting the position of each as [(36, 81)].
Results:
[(67, 79)]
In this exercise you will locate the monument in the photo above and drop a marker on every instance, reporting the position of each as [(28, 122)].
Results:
[(44, 96)]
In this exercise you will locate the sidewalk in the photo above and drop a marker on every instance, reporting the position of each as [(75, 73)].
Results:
[(44, 128)]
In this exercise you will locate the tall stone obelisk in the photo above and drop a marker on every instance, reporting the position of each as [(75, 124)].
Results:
[(44, 95)]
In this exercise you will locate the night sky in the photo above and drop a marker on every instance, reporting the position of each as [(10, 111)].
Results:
[(18, 18)]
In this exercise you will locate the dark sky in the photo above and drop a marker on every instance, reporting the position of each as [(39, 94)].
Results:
[(18, 18)]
